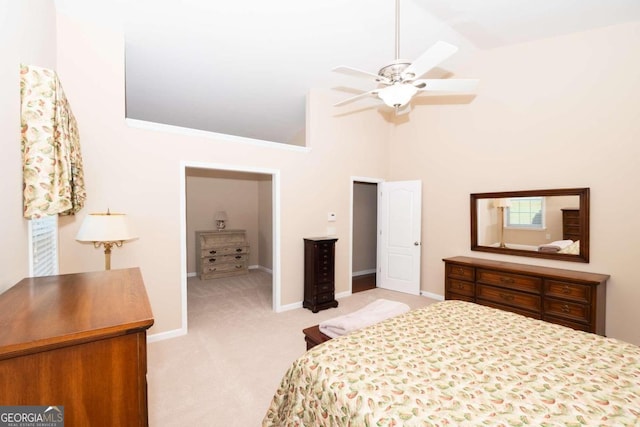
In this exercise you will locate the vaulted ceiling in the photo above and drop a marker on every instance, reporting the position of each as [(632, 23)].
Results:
[(243, 67)]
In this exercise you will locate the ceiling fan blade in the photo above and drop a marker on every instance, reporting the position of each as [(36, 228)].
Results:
[(446, 85), (359, 73), (355, 98), (429, 59)]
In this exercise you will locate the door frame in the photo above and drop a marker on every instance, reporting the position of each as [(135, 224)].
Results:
[(369, 180), (275, 228)]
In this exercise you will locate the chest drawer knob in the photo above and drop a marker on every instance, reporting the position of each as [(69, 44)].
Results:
[(566, 289), (212, 260), (212, 252), (238, 256), (565, 308), (239, 250)]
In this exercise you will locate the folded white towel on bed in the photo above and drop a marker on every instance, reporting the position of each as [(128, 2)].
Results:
[(554, 246), (370, 314)]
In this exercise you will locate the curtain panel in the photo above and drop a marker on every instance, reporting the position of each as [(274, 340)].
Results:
[(53, 180)]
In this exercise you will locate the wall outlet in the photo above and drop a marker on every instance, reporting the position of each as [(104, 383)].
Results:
[(331, 217)]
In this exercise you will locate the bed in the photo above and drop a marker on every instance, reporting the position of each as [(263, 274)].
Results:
[(459, 363)]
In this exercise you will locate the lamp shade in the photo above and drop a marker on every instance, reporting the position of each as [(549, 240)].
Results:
[(398, 94), (105, 227), (220, 216), (501, 203)]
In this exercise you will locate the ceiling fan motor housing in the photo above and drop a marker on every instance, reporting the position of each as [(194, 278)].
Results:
[(394, 71)]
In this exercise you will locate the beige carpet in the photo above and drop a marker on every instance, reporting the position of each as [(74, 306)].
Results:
[(226, 369)]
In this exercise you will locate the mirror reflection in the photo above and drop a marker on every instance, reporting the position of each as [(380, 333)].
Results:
[(543, 223)]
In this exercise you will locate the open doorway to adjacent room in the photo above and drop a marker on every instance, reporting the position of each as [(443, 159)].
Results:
[(364, 238), (249, 198)]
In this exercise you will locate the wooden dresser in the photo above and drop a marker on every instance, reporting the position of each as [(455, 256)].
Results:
[(221, 253), (571, 224), (566, 297), (319, 273), (77, 341)]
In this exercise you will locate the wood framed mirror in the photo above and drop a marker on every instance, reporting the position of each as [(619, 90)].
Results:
[(550, 224)]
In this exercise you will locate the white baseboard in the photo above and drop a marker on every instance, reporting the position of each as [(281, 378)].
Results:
[(431, 295), (292, 306), (166, 335), (251, 267)]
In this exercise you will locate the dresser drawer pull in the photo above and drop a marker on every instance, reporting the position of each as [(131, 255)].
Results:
[(460, 286), (238, 266), (239, 250), (506, 297), (238, 256), (506, 280), (566, 289), (459, 270), (212, 252), (565, 308), (212, 260)]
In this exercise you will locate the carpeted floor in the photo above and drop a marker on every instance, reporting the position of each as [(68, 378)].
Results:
[(226, 369)]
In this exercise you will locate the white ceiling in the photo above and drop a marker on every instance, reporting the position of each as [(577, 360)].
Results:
[(243, 67)]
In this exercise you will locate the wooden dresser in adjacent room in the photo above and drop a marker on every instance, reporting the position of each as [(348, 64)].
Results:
[(221, 253), (571, 298), (319, 273), (77, 341)]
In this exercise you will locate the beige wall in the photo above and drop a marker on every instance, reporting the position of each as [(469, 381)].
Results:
[(28, 36), (138, 171), (365, 224), (556, 113), (568, 103)]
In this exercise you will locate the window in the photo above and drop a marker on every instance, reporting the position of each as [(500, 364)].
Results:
[(43, 246), (525, 212)]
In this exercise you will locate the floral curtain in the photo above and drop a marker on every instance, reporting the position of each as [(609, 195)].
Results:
[(53, 180)]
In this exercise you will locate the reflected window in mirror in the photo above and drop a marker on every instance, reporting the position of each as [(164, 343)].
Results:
[(537, 223)]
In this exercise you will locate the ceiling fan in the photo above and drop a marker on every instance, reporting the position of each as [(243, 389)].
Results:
[(399, 81)]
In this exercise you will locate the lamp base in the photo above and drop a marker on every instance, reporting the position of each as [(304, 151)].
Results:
[(220, 225)]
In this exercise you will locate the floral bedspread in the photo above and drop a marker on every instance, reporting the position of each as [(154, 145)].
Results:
[(457, 363)]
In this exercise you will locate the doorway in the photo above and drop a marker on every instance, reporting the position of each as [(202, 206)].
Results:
[(251, 199), (364, 247)]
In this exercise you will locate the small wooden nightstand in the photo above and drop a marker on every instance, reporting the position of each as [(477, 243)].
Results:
[(313, 336)]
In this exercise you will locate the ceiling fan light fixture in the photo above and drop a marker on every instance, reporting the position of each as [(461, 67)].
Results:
[(397, 95)]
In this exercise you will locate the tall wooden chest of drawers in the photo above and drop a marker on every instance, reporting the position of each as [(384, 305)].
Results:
[(571, 224), (571, 298), (319, 273), (221, 253)]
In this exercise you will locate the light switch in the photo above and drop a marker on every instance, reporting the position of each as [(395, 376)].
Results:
[(331, 216)]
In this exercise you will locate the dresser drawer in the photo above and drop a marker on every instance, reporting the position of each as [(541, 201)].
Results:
[(528, 313), (460, 287), (323, 298), (223, 268), (224, 250), (225, 259), (460, 272), (327, 286), (509, 280), (509, 297), (567, 290), (221, 238), (461, 297), (568, 310)]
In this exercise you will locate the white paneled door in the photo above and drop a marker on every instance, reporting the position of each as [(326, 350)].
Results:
[(399, 225)]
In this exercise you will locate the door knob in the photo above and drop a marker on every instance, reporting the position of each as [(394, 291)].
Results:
[(416, 243)]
